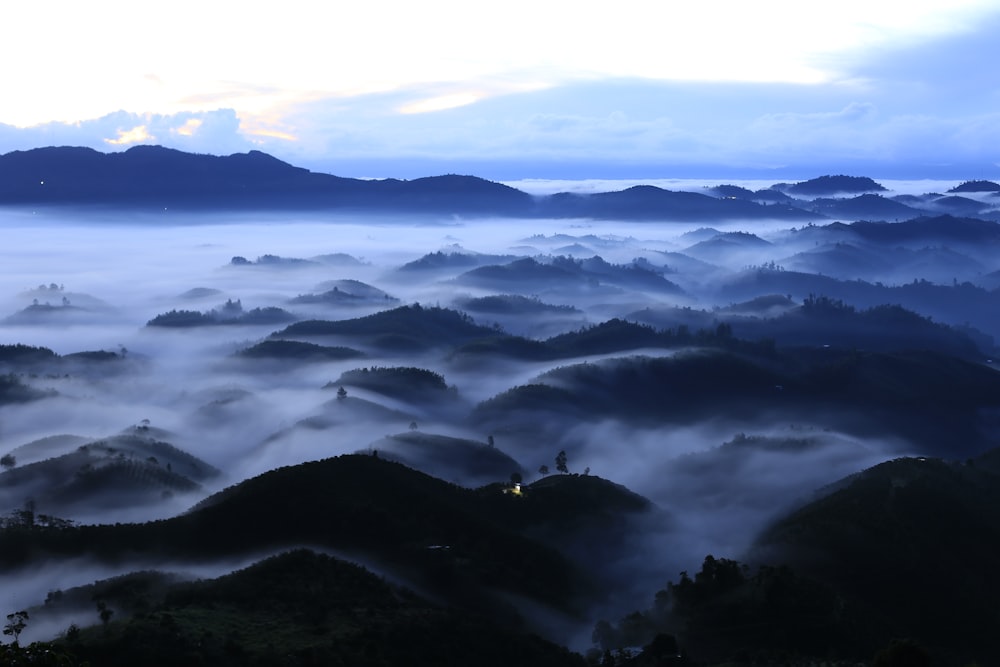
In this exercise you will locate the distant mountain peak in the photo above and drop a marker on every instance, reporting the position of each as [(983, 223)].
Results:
[(976, 186), (831, 185)]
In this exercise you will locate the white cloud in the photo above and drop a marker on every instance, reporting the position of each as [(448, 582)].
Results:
[(189, 127), (137, 135), (76, 61), (216, 131)]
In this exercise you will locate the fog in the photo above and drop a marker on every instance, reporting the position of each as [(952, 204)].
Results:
[(103, 276)]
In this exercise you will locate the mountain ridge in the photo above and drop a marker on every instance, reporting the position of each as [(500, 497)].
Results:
[(162, 178)]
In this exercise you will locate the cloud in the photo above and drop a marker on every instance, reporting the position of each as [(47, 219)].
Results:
[(137, 135), (852, 113), (440, 103), (189, 127), (588, 129), (216, 131)]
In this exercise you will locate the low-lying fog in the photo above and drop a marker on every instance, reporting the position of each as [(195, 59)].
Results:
[(92, 282)]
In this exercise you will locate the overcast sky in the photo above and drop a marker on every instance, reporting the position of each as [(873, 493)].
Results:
[(547, 88)]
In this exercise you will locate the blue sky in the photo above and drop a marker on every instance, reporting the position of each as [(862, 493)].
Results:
[(548, 89)]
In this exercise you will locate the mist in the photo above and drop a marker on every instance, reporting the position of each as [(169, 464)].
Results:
[(96, 282)]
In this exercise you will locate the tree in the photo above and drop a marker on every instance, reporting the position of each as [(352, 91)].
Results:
[(16, 623), (105, 613), (543, 470), (341, 393), (489, 441), (515, 478), (8, 461), (561, 461)]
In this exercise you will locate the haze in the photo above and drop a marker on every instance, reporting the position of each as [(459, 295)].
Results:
[(106, 277)]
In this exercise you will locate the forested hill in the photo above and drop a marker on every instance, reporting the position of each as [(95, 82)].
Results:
[(156, 178)]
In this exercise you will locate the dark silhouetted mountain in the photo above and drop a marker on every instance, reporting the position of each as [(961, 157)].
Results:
[(345, 293), (453, 259), (768, 305), (274, 261), (822, 321), (895, 540), (146, 174), (731, 191), (48, 447), (404, 328), (298, 607), (889, 263), (832, 185), (407, 383), (14, 390), (531, 275), (939, 402), (591, 519), (19, 358), (976, 186), (819, 322), (840, 259), (351, 410), (913, 201), (512, 304), (201, 293), (728, 611), (355, 288), (611, 336), (158, 178), (230, 313), (332, 297), (462, 193), (942, 228), (867, 206), (130, 468), (468, 462), (398, 516), (718, 247), (19, 354), (773, 196), (164, 178), (64, 307), (957, 304), (526, 273), (340, 259), (297, 351), (914, 232), (958, 205), (647, 202)]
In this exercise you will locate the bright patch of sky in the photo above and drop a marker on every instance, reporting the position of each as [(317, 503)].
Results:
[(520, 89)]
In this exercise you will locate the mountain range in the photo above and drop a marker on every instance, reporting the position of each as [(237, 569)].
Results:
[(154, 177)]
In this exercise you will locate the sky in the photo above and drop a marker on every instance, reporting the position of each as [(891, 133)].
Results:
[(551, 89)]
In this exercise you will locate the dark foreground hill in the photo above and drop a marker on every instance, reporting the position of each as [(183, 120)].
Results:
[(296, 608), (885, 562), (456, 542), (900, 541)]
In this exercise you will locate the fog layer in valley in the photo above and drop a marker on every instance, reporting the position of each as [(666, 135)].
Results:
[(215, 370)]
